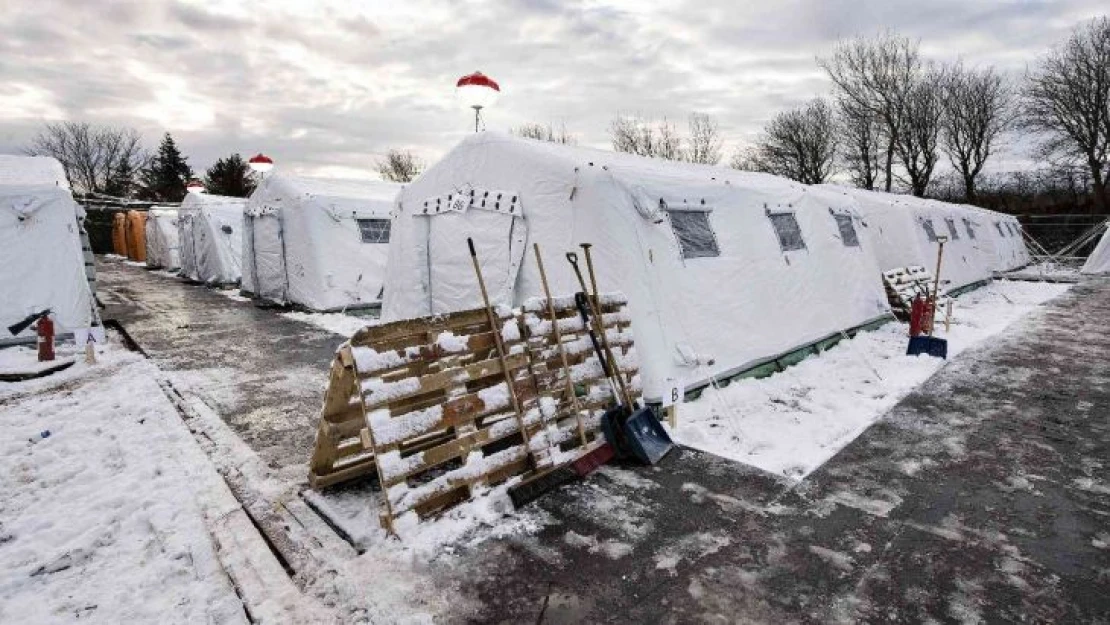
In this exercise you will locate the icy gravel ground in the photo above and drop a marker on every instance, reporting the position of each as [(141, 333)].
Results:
[(792, 422), (104, 518)]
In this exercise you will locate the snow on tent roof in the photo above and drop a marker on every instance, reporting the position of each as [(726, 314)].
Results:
[(32, 170)]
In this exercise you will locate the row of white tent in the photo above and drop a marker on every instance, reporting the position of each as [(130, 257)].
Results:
[(42, 265), (320, 244), (723, 270)]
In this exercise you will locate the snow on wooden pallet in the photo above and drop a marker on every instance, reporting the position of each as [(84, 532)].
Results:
[(424, 403), (903, 285)]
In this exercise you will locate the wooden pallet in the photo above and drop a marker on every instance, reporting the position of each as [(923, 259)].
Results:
[(423, 404), (904, 284)]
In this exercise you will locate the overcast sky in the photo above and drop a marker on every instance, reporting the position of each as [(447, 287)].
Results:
[(325, 87)]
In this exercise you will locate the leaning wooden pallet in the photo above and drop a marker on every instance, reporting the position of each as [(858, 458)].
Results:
[(423, 404)]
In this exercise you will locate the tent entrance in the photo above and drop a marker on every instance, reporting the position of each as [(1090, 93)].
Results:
[(267, 241), (495, 222)]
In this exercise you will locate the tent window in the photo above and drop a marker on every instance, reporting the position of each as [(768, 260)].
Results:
[(1013, 228), (927, 224), (998, 226), (970, 230), (374, 230), (695, 235), (952, 228), (790, 235), (847, 230)]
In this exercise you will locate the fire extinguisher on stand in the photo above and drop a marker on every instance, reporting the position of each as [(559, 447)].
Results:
[(44, 329)]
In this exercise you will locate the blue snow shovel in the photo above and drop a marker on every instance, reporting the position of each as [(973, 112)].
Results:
[(632, 432)]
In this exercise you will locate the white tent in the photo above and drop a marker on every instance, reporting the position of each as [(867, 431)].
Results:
[(903, 231), (1099, 260), (32, 171), (209, 238), (162, 241), (723, 269), (41, 262), (321, 244)]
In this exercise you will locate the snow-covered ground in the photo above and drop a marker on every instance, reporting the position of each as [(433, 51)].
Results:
[(792, 422), (104, 501), (339, 323)]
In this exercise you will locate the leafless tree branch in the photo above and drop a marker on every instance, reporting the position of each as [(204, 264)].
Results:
[(95, 158), (799, 144)]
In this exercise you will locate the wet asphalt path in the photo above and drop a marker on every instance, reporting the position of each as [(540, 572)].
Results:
[(264, 374), (982, 497)]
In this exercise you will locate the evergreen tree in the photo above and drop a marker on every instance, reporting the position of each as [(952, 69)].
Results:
[(121, 181), (164, 179), (229, 176)]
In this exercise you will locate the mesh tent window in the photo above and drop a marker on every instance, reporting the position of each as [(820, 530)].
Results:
[(788, 231), (970, 229), (930, 232), (694, 233), (952, 228), (374, 230), (847, 230)]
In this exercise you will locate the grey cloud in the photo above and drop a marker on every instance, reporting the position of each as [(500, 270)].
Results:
[(338, 87)]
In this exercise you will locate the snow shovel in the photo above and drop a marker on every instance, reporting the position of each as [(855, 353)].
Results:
[(927, 343), (632, 432)]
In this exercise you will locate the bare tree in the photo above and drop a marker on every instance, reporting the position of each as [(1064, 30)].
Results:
[(919, 130), (635, 136), (400, 166), (861, 143), (799, 144), (96, 159), (977, 109), (668, 145), (705, 140), (876, 75), (1067, 101), (545, 133)]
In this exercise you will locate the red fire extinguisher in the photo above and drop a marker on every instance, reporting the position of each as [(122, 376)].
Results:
[(917, 315), (45, 330)]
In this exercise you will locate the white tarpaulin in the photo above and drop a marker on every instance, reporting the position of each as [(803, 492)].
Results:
[(32, 170), (209, 238), (904, 231), (41, 262), (162, 243), (722, 268), (1099, 260), (321, 244)]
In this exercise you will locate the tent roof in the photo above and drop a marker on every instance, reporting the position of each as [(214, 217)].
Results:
[(333, 195), (656, 176), (32, 170), (198, 200)]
